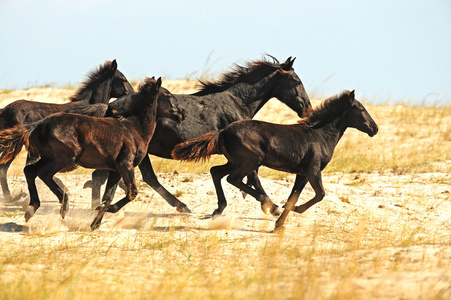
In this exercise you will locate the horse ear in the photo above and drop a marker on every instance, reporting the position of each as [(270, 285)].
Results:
[(114, 65), (352, 96), (158, 84), (288, 64)]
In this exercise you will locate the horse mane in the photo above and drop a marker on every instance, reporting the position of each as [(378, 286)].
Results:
[(101, 72), (238, 74), (147, 84), (327, 111)]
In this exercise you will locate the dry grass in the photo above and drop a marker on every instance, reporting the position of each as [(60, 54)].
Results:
[(382, 232)]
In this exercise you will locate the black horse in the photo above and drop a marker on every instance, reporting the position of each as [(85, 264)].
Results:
[(101, 85), (64, 141), (238, 95), (304, 149)]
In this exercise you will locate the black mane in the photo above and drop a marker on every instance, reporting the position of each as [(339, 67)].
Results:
[(248, 73), (100, 73), (327, 111)]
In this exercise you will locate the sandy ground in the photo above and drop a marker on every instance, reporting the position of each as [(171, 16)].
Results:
[(379, 205)]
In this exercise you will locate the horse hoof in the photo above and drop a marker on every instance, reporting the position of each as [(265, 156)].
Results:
[(279, 227), (183, 209), (276, 211), (95, 226), (216, 213), (100, 207), (63, 212), (88, 184), (28, 214), (266, 208)]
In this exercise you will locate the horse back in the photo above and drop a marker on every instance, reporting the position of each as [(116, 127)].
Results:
[(87, 141), (288, 148), (26, 111)]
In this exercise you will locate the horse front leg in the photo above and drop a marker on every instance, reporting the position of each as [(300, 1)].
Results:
[(111, 186), (125, 169), (298, 186), (316, 182), (151, 179)]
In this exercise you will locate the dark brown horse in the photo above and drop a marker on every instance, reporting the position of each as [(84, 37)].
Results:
[(238, 95), (63, 141), (101, 85), (304, 149)]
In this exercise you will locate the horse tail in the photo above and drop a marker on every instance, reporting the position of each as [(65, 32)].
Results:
[(200, 148), (11, 142)]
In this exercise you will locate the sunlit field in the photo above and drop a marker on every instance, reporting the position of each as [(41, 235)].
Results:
[(383, 230)]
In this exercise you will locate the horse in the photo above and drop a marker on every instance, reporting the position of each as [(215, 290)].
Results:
[(64, 141), (304, 149), (101, 85), (238, 94)]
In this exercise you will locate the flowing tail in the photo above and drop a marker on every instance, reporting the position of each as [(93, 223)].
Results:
[(11, 142), (200, 148)]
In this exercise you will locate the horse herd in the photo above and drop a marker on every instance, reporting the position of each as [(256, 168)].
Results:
[(114, 137)]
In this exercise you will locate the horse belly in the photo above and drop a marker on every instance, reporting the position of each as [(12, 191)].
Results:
[(285, 155), (95, 160)]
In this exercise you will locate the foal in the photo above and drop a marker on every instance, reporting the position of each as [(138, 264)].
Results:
[(303, 149), (63, 141)]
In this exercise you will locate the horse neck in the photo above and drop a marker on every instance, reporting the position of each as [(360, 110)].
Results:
[(144, 117), (96, 92), (334, 130), (252, 96)]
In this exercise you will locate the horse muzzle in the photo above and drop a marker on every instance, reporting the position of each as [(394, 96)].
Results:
[(373, 130)]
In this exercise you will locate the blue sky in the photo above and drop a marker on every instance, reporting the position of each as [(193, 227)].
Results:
[(386, 50)]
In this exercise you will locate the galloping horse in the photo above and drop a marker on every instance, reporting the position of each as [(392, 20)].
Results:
[(238, 95), (64, 141), (304, 149), (101, 85)]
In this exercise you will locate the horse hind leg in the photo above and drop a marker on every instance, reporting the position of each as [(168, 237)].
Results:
[(236, 178), (151, 179), (47, 170), (31, 172), (217, 173), (266, 204)]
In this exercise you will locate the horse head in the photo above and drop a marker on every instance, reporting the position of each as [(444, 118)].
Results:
[(358, 117), (290, 89), (166, 107), (120, 85)]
